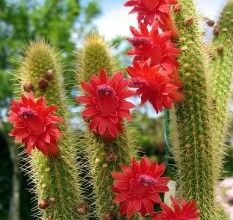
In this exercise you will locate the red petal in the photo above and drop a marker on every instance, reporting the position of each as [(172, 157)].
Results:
[(83, 99), (145, 164), (89, 112), (113, 129), (102, 126), (47, 138), (87, 87), (53, 150), (126, 105), (103, 76), (137, 204), (125, 114), (120, 198), (148, 205), (130, 209)]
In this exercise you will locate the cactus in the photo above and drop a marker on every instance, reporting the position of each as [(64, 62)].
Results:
[(199, 149), (196, 151), (92, 57), (54, 178), (222, 68), (103, 156), (198, 122)]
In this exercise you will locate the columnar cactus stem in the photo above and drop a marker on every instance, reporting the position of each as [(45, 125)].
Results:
[(222, 67), (104, 156), (55, 178), (93, 57), (195, 156)]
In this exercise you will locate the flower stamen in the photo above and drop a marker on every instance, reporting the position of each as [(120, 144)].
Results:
[(105, 90), (27, 113)]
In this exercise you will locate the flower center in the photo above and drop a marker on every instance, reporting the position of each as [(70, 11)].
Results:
[(107, 100), (34, 122), (146, 180), (138, 41), (136, 82), (27, 113), (150, 4), (105, 90)]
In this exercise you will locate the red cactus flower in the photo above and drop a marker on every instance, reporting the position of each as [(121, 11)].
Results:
[(153, 10), (138, 186), (105, 103), (154, 46), (34, 124), (180, 210), (154, 85)]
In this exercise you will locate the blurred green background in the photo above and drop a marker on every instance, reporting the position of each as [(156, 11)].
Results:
[(64, 24)]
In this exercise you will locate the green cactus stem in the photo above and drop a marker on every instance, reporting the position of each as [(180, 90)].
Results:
[(222, 68), (195, 152), (94, 56), (55, 179), (104, 156)]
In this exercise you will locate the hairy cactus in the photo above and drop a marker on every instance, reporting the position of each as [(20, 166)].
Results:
[(103, 155), (196, 152), (170, 68), (93, 57), (55, 179), (200, 136), (222, 68)]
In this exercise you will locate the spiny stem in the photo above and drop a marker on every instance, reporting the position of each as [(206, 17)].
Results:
[(55, 178)]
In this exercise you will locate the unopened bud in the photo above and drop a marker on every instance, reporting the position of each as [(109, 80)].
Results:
[(43, 204), (111, 157), (210, 22), (188, 21), (216, 30), (28, 87), (82, 209), (177, 8), (43, 84), (220, 50), (108, 216)]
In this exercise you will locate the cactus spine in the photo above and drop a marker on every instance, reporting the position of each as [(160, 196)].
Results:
[(222, 68), (195, 152), (54, 178), (104, 157)]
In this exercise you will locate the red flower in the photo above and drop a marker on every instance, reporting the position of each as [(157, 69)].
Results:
[(181, 210), (138, 186), (105, 103), (153, 10), (34, 124), (154, 85), (154, 46)]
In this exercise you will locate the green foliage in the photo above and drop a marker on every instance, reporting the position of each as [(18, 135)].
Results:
[(91, 11), (6, 88)]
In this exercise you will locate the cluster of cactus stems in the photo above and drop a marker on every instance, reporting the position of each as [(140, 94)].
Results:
[(198, 126)]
